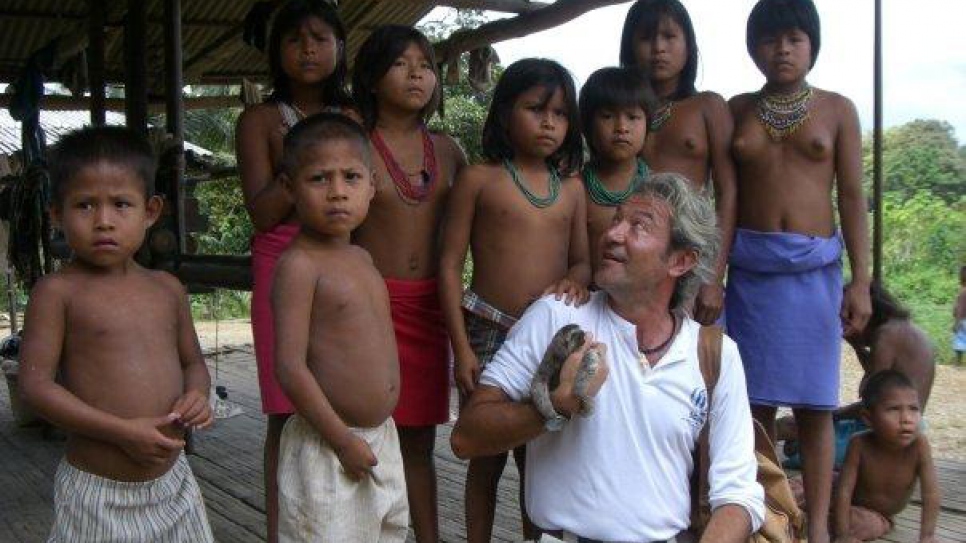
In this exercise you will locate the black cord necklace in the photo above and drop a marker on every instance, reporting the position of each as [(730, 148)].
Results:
[(674, 326)]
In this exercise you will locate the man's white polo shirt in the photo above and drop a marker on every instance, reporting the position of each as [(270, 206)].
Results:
[(623, 474)]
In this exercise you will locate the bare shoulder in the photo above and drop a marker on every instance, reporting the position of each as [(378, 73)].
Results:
[(573, 184), (835, 102), (448, 147), (713, 106), (258, 116), (167, 281), (710, 100), (362, 253), (741, 103), (901, 331), (861, 440), (53, 286), (296, 262), (923, 448), (474, 177), (445, 142)]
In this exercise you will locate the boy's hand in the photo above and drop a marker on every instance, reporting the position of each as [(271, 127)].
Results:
[(856, 308), (707, 307), (193, 410), (572, 292), (146, 444), (847, 539), (466, 373), (356, 457)]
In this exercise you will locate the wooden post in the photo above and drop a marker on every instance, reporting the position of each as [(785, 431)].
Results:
[(877, 148), (95, 61), (135, 66), (174, 111)]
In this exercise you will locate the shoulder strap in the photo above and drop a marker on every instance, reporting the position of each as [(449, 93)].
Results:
[(709, 360), (709, 356), (290, 117)]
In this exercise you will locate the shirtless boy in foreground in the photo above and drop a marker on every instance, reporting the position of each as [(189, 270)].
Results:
[(110, 354), (340, 473), (866, 501)]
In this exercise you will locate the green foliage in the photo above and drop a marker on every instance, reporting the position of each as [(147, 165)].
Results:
[(464, 120), (220, 305), (921, 155), (230, 229), (924, 245), (465, 108), (924, 221)]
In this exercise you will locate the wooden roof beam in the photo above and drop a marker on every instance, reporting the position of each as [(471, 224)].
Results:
[(551, 15), (508, 6), (156, 104), (221, 47)]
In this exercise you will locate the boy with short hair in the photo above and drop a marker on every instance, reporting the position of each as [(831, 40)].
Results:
[(615, 106), (867, 501), (340, 473), (110, 354)]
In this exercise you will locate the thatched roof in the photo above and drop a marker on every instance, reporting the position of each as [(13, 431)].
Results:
[(213, 49), (211, 33)]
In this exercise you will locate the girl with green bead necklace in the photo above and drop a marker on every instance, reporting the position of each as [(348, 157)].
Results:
[(615, 106), (524, 215)]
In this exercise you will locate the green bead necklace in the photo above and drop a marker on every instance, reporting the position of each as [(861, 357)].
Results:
[(531, 197), (603, 197)]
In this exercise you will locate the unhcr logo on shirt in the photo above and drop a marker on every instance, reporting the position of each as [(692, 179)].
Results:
[(699, 408)]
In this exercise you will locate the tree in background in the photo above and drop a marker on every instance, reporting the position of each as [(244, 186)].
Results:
[(924, 220), (464, 108), (920, 156)]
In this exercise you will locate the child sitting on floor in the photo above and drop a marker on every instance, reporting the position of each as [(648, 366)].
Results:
[(340, 472), (867, 498), (890, 341), (110, 354)]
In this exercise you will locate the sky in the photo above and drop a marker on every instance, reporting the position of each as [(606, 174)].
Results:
[(924, 53)]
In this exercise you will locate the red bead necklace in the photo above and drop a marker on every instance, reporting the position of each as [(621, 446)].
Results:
[(407, 191)]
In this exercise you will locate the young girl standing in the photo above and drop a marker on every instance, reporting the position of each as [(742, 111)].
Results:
[(614, 105), (690, 132), (397, 89), (524, 216), (307, 63), (794, 144)]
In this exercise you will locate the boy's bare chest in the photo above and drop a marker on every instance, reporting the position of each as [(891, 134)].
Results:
[(350, 288), (902, 467), (127, 315)]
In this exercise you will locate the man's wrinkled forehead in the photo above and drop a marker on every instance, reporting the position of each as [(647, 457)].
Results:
[(646, 204)]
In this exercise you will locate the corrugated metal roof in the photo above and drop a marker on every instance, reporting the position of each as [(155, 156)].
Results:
[(28, 25), (58, 123)]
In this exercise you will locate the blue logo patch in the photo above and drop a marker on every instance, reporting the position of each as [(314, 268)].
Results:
[(699, 408)]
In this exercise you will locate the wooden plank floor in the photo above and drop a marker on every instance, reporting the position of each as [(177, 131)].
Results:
[(227, 463)]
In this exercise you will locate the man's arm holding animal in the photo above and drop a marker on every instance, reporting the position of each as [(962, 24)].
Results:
[(493, 423)]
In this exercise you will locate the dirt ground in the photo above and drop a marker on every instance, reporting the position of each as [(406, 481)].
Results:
[(947, 425)]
